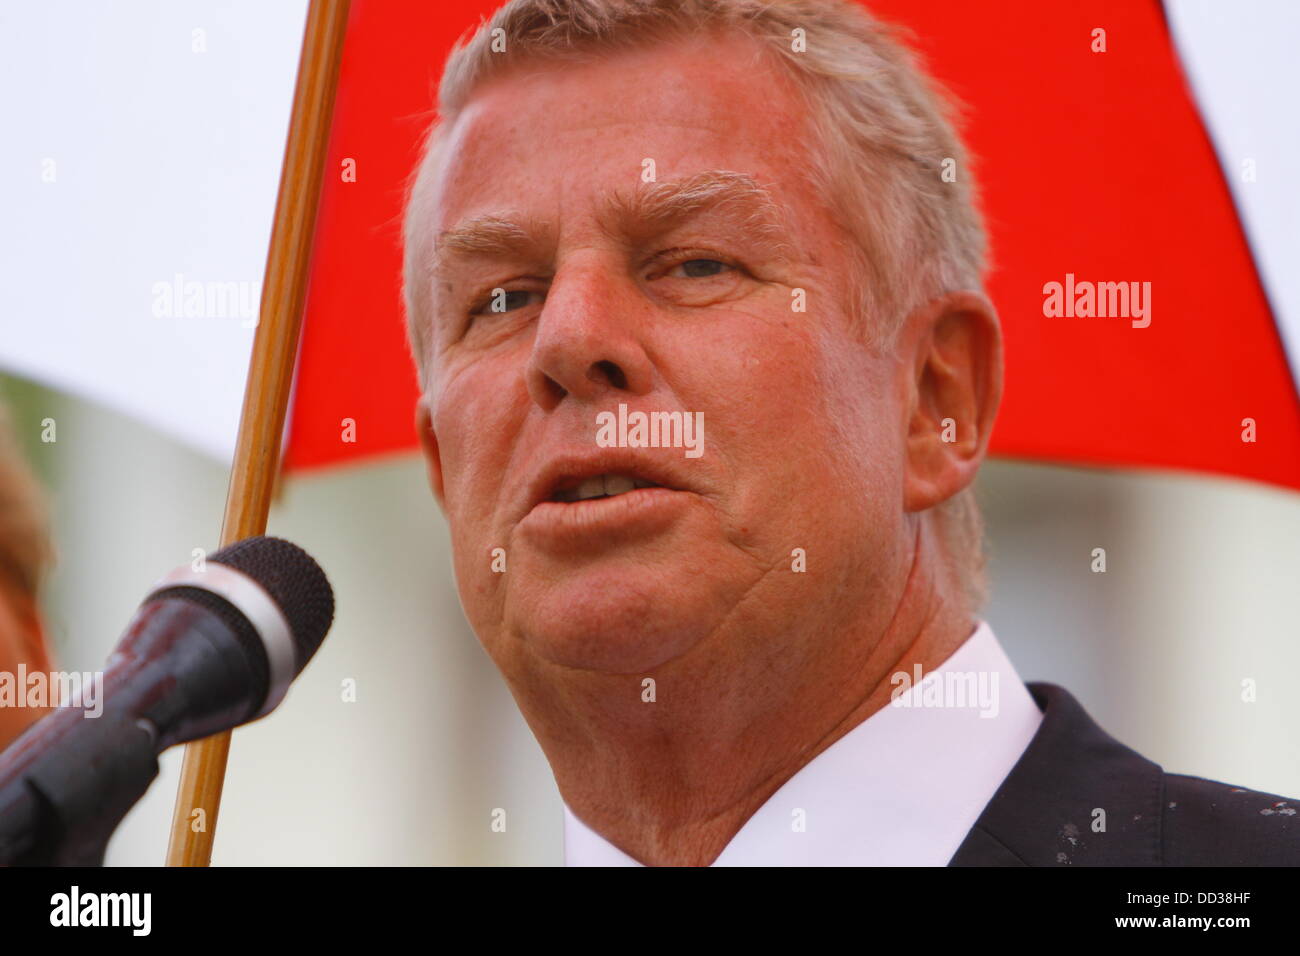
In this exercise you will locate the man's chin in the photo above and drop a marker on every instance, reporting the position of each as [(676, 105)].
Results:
[(609, 624)]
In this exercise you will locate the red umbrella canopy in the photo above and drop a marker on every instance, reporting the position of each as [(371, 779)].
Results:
[(1094, 168)]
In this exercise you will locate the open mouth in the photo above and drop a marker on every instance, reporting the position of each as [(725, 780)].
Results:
[(582, 503), (572, 490)]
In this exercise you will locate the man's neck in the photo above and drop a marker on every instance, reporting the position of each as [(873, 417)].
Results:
[(672, 785)]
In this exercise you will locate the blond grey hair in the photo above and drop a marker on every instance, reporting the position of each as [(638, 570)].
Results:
[(26, 549), (884, 129)]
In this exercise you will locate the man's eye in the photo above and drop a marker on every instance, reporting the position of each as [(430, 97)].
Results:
[(503, 300), (699, 268)]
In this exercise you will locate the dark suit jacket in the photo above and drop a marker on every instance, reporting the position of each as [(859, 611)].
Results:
[(1043, 813)]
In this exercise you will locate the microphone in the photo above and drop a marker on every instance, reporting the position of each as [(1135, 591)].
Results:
[(206, 651)]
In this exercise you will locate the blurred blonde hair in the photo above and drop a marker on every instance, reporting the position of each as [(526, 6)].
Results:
[(26, 550), (885, 134)]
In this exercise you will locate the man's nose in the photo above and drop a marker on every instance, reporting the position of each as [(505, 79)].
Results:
[(588, 339)]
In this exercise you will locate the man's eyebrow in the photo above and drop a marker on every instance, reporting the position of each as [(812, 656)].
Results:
[(655, 207), (646, 210), (491, 236)]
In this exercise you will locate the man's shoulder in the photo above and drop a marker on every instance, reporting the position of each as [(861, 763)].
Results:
[(1208, 823), (1079, 797)]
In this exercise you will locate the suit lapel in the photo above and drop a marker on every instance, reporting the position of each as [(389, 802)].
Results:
[(1076, 797)]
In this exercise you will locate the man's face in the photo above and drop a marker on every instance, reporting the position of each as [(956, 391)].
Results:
[(694, 312)]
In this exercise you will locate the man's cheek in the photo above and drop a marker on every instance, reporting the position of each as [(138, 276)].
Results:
[(466, 488), (474, 425)]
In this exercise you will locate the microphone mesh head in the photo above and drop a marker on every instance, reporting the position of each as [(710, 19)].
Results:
[(293, 580)]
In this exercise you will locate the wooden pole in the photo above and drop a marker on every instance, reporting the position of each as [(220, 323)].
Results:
[(270, 373)]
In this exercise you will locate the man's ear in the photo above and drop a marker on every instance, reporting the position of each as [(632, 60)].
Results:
[(957, 386), (429, 448)]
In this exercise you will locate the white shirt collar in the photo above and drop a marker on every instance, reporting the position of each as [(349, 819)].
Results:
[(903, 788)]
